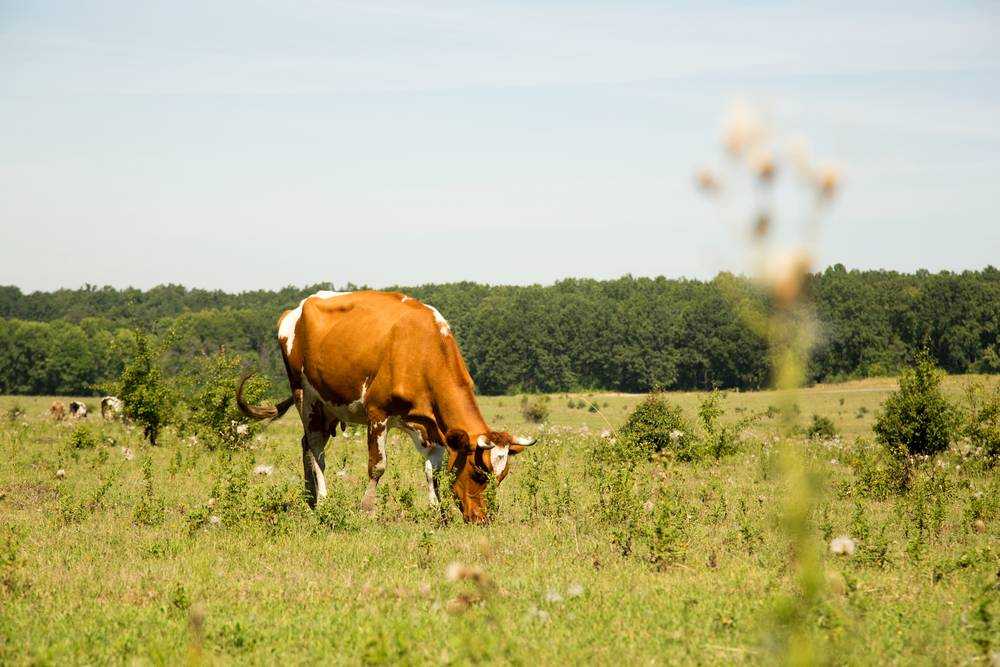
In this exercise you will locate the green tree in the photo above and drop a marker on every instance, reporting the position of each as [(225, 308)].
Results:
[(917, 417)]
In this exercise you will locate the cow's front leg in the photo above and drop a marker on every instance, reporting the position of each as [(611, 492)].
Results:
[(378, 430), (431, 467), (433, 456)]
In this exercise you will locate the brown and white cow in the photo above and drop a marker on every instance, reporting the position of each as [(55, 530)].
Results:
[(387, 361), (111, 407)]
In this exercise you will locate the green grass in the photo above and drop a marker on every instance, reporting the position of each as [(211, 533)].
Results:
[(92, 572)]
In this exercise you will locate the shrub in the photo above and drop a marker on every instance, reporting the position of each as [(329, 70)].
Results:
[(535, 411), (338, 511), (656, 426), (213, 413), (917, 417), (82, 438), (822, 428), (150, 510), (145, 396), (667, 534), (14, 413), (982, 423), (721, 439), (879, 472)]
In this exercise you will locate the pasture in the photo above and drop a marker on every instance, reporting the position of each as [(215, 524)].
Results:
[(157, 555)]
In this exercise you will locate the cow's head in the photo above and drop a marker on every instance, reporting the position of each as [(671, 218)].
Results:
[(473, 463)]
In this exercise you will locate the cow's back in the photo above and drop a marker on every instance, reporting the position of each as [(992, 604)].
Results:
[(343, 342)]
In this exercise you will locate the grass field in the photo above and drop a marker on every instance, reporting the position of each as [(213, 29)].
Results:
[(106, 564)]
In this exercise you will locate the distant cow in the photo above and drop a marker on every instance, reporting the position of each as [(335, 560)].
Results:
[(111, 407), (57, 411), (387, 361), (78, 410)]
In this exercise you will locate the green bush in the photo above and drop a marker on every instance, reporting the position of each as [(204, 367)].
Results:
[(917, 417), (721, 439), (82, 438), (822, 428), (879, 471), (535, 411), (151, 509), (146, 398), (212, 410), (656, 426), (982, 422)]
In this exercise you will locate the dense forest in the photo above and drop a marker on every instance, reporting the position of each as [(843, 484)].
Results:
[(630, 334)]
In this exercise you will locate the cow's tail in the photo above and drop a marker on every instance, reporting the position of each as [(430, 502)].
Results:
[(260, 411)]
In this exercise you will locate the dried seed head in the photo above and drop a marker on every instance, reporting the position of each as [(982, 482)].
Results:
[(741, 130), (707, 182), (785, 274), (761, 226), (761, 161), (457, 604), (827, 181)]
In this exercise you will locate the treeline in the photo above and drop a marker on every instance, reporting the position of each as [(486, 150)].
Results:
[(629, 334)]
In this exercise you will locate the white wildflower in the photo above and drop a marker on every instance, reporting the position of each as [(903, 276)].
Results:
[(676, 434), (61, 473), (127, 453), (242, 429), (842, 546), (214, 520), (553, 596), (263, 469), (575, 590)]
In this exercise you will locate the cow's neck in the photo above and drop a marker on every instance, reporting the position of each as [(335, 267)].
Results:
[(457, 408)]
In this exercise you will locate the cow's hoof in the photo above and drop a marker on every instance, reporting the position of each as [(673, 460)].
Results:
[(368, 504)]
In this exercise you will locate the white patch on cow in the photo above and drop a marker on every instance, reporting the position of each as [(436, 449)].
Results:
[(433, 463), (381, 439), (318, 472), (286, 327), (498, 457), (441, 322)]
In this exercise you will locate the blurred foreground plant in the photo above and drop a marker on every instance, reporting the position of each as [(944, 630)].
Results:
[(785, 319)]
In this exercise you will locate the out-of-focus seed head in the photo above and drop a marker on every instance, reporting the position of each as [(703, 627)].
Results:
[(828, 180), (707, 182), (741, 130), (761, 161), (761, 226), (785, 273)]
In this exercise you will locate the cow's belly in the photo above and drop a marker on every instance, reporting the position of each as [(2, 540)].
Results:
[(315, 407)]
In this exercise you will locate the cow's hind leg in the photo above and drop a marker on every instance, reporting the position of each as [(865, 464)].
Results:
[(378, 431), (314, 465)]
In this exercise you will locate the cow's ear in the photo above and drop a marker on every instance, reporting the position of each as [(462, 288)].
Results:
[(457, 440)]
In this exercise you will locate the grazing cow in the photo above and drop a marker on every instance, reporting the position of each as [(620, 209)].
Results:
[(111, 407), (387, 361), (78, 410), (57, 411)]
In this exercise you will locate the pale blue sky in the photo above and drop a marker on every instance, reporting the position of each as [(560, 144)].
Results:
[(251, 145)]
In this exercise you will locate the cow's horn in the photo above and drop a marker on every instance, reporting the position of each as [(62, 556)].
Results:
[(525, 442), (483, 442)]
